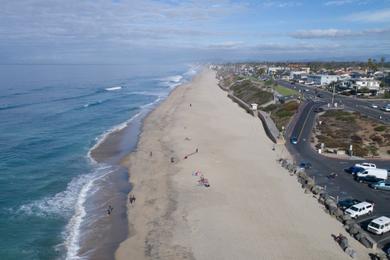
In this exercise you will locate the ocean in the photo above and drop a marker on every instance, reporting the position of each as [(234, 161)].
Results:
[(53, 193)]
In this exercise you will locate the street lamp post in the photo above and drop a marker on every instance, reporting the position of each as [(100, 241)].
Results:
[(334, 87)]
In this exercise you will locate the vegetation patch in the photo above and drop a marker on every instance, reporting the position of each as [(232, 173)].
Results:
[(285, 91), (250, 93), (380, 128), (338, 129), (281, 114)]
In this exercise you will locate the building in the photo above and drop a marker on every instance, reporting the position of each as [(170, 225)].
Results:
[(298, 75), (369, 83), (275, 70), (321, 79)]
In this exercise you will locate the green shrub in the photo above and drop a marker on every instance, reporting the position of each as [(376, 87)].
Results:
[(380, 128), (284, 113), (360, 150), (270, 108), (376, 138), (291, 106)]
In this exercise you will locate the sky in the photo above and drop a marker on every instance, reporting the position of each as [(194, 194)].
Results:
[(128, 31)]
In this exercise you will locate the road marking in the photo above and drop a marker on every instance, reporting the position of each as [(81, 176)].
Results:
[(383, 239), (361, 220), (304, 123)]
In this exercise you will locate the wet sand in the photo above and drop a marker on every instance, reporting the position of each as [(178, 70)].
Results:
[(102, 233), (253, 208)]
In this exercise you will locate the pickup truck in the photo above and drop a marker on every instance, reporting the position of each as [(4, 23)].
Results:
[(366, 165)]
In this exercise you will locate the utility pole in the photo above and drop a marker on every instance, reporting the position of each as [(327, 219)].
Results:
[(356, 95), (334, 86)]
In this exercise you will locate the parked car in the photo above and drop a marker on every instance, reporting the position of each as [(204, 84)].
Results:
[(366, 165), (294, 140), (354, 169), (379, 225), (347, 203), (386, 249), (318, 110), (360, 209), (381, 185), (386, 108), (374, 106), (305, 165), (367, 179)]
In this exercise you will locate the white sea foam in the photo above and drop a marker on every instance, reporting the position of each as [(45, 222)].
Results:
[(85, 185), (60, 204), (176, 78), (193, 70), (93, 103), (73, 228), (149, 93), (69, 203), (172, 81), (100, 139), (113, 88)]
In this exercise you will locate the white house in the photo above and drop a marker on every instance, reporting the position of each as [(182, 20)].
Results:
[(274, 70), (297, 75), (369, 83), (322, 79)]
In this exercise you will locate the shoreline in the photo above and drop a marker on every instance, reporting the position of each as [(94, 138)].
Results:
[(174, 218), (111, 147)]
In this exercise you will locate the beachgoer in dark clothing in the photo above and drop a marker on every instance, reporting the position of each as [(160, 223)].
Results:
[(109, 210), (151, 154), (197, 150), (132, 199)]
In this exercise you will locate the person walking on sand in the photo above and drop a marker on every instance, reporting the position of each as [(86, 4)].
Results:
[(109, 210), (132, 199)]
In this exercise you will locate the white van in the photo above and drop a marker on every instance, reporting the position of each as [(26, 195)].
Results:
[(379, 225), (366, 165), (360, 209), (378, 173)]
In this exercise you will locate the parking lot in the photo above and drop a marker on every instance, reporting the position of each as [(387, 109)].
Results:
[(343, 185)]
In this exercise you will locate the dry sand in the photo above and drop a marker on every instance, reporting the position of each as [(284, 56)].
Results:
[(253, 209)]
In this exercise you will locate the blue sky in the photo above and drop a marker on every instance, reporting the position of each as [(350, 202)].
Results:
[(127, 31)]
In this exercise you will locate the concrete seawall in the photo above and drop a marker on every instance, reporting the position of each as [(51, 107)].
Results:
[(269, 126)]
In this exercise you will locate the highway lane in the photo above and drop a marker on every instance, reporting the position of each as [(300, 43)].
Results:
[(358, 105), (343, 186)]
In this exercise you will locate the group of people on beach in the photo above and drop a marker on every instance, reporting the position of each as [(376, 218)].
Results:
[(131, 201), (202, 180), (109, 210)]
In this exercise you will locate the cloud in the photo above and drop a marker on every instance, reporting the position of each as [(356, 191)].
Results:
[(281, 4), (345, 2), (105, 21), (382, 15), (337, 33), (226, 45)]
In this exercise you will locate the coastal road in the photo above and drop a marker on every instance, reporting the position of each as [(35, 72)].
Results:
[(359, 105), (343, 186)]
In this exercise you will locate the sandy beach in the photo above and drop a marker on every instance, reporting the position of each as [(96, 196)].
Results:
[(253, 209)]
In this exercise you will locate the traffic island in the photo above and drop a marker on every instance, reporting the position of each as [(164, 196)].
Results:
[(340, 133)]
